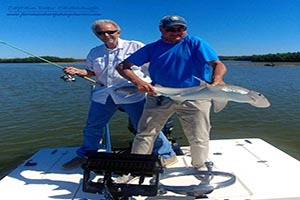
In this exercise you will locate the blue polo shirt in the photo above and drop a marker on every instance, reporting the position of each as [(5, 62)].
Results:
[(175, 65)]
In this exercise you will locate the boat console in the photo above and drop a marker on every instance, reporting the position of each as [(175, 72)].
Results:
[(112, 164)]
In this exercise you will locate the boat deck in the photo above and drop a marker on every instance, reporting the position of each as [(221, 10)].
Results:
[(262, 172)]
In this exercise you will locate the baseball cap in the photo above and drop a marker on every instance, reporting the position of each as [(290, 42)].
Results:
[(172, 20)]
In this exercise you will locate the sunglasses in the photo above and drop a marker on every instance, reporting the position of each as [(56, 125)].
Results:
[(174, 30), (108, 32)]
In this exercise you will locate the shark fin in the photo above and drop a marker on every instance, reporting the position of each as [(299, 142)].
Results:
[(219, 105), (202, 82)]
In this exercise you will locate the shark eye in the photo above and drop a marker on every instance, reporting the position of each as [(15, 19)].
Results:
[(259, 94)]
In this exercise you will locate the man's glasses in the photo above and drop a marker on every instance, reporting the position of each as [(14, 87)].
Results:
[(108, 32), (174, 30)]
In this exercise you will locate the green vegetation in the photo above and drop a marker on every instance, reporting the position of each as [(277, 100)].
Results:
[(37, 60), (278, 57)]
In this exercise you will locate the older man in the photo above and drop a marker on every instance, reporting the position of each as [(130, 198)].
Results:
[(177, 60), (101, 62)]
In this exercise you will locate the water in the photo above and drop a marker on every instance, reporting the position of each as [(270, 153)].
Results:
[(39, 110)]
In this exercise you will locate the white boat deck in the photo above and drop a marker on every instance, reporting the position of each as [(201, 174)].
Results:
[(262, 172)]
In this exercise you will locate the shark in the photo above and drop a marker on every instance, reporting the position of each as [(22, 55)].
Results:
[(220, 95)]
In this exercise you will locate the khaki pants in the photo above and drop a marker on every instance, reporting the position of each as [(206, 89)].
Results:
[(194, 118)]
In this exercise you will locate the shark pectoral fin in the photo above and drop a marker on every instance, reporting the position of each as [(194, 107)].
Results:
[(219, 105)]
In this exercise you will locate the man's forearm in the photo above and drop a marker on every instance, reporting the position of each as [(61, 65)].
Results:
[(124, 70), (219, 70)]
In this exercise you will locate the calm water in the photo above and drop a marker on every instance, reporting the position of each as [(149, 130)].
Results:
[(39, 110)]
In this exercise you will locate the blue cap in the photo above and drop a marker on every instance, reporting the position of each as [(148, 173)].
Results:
[(172, 20)]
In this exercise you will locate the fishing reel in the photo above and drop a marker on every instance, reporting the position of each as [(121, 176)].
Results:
[(68, 78)]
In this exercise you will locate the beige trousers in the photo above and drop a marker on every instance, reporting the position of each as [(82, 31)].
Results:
[(194, 117)]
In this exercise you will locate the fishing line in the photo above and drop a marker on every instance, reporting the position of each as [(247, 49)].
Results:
[(65, 78)]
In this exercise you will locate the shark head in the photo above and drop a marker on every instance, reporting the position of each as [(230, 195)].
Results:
[(259, 100)]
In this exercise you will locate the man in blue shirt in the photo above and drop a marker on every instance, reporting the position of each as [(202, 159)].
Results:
[(101, 63), (175, 60)]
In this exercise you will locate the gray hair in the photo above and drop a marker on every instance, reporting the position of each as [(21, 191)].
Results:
[(101, 22)]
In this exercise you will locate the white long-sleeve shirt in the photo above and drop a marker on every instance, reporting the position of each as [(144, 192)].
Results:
[(103, 63)]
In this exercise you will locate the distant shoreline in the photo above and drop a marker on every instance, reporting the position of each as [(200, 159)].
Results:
[(278, 59), (265, 64), (41, 63), (227, 62)]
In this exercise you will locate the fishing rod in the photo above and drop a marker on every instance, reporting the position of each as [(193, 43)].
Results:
[(65, 78)]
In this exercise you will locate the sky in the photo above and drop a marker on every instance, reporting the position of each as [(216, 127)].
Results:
[(62, 28)]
